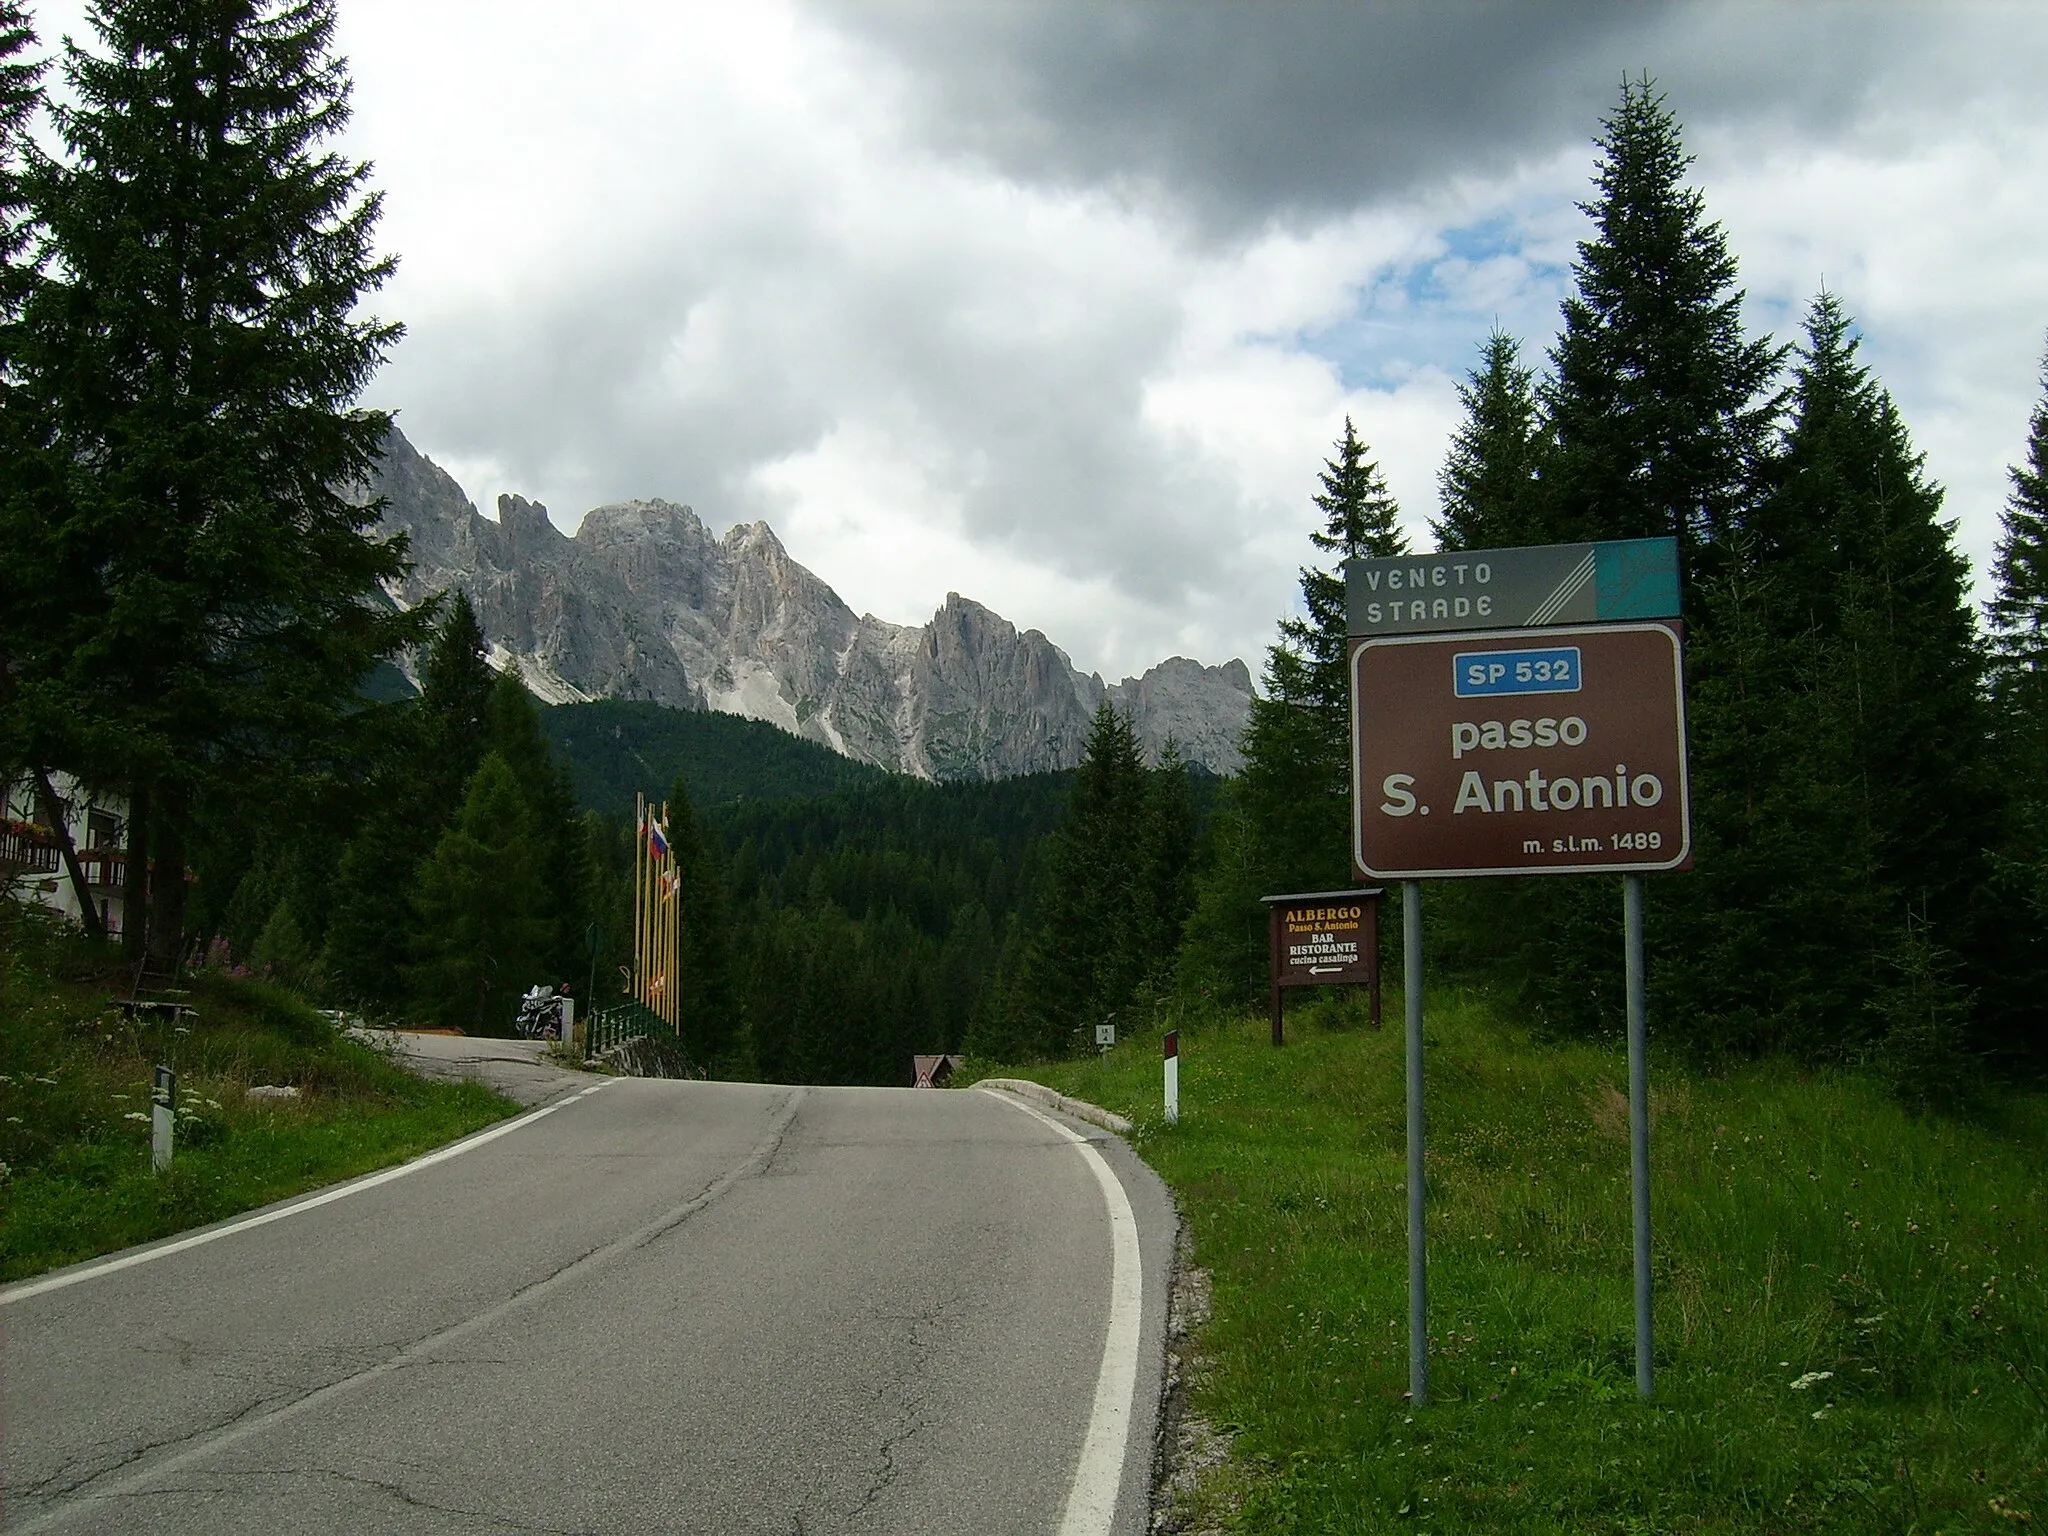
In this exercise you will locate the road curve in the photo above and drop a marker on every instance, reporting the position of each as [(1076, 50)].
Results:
[(653, 1307)]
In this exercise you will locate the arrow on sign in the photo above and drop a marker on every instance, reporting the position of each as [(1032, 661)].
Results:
[(1317, 970)]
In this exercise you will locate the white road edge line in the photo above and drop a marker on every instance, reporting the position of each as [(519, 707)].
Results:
[(70, 1277), (1091, 1502)]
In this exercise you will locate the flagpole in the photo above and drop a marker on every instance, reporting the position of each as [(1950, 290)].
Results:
[(640, 908), (668, 929), (678, 947), (639, 842)]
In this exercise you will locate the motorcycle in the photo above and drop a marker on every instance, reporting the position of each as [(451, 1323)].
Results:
[(540, 1014)]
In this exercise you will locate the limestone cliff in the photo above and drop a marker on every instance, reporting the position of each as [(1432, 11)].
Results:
[(645, 603)]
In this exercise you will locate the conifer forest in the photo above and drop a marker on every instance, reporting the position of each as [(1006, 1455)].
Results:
[(192, 607)]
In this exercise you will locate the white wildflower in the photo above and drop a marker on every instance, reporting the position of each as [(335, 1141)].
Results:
[(1810, 1378), (135, 1114)]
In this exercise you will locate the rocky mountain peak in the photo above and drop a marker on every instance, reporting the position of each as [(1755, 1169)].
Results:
[(644, 603)]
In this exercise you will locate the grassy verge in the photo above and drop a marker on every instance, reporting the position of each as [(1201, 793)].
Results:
[(75, 1176), (1852, 1316)]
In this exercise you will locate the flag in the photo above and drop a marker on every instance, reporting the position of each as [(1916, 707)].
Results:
[(657, 840)]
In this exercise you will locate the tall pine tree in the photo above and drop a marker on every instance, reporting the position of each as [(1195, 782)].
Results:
[(1839, 791), (711, 1030), (1491, 478), (1657, 418), (2018, 610), (196, 351), (2017, 968), (1659, 407), (481, 917), (1284, 822), (1103, 932), (430, 751)]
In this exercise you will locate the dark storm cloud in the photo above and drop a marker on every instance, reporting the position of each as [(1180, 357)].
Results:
[(1245, 112)]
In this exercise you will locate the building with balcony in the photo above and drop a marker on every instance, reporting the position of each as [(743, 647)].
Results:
[(31, 857)]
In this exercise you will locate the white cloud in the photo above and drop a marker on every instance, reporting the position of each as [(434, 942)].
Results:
[(1062, 310)]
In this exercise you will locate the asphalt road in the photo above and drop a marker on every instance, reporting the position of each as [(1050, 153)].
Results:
[(648, 1307)]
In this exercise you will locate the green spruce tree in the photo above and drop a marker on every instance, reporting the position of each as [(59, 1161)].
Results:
[(710, 1010), (454, 708), (1659, 407), (424, 755), (1657, 419), (1284, 822), (1083, 965), (1839, 785), (2018, 611), (1491, 479), (195, 350), (2013, 907), (560, 854), (481, 918)]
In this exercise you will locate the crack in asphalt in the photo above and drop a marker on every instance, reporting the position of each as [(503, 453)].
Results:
[(910, 1384), (42, 1488), (412, 1500), (228, 1478), (260, 1416)]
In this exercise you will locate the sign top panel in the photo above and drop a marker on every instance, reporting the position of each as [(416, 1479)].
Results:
[(1532, 588)]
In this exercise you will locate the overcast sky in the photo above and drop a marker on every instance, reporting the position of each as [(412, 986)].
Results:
[(1060, 306)]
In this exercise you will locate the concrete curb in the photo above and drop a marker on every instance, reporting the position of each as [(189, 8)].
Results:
[(1043, 1096)]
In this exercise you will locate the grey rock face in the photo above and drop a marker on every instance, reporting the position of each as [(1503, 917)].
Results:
[(644, 603)]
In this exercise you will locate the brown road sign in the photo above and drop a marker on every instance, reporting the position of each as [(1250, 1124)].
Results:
[(1321, 939), (1324, 938), (1526, 752)]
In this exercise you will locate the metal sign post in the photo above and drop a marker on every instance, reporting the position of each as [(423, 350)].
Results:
[(1173, 1077), (1418, 1249), (1519, 712), (1638, 1123)]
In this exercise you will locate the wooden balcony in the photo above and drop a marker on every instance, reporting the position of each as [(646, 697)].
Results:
[(26, 851), (103, 867)]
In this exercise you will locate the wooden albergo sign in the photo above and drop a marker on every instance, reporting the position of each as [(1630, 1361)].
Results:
[(1322, 939), (1546, 752)]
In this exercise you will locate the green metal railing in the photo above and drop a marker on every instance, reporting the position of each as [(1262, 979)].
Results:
[(608, 1027)]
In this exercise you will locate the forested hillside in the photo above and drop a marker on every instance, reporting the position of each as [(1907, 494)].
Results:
[(616, 748), (1869, 756)]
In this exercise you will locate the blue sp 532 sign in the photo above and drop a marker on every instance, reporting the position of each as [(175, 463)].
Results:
[(1492, 674)]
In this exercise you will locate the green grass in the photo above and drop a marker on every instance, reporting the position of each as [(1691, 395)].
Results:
[(1804, 1223), (75, 1174)]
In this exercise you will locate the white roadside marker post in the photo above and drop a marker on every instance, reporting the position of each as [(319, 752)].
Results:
[(1173, 1077), (163, 1106)]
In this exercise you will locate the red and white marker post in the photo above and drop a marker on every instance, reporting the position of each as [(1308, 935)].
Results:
[(1173, 1077)]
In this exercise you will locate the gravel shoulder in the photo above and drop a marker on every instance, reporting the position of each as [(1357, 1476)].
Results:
[(519, 1069)]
